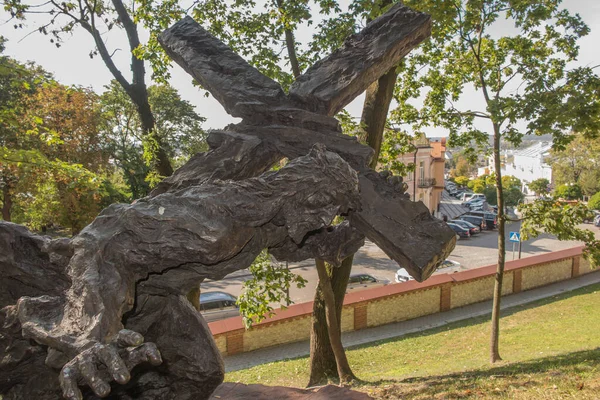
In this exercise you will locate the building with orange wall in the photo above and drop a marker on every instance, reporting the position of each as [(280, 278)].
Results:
[(426, 183)]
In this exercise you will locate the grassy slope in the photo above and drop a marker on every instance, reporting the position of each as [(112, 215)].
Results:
[(550, 348)]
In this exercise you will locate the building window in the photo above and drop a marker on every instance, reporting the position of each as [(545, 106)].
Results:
[(421, 170)]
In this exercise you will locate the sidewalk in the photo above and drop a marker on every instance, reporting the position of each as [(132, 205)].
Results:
[(293, 350)]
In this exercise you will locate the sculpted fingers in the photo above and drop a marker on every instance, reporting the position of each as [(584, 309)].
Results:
[(144, 353), (89, 373), (84, 369), (109, 356), (68, 381), (127, 338)]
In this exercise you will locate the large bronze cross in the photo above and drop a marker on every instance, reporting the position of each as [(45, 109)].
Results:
[(277, 125)]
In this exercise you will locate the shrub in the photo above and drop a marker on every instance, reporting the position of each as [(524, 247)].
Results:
[(594, 203), (568, 192), (462, 180)]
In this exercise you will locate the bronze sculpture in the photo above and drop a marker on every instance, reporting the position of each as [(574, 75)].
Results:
[(84, 306)]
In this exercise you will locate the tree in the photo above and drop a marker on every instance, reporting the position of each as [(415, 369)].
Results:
[(477, 185), (177, 125), (463, 168), (461, 180), (523, 80), (52, 164), (70, 138), (568, 192), (562, 220), (17, 83), (578, 164), (539, 186), (509, 181), (594, 203), (96, 18), (266, 38), (269, 284)]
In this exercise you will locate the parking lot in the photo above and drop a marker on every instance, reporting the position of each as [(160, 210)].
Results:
[(478, 251)]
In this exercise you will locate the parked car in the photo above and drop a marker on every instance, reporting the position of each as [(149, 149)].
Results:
[(473, 197), (491, 219), (459, 194), (480, 203), (402, 275), (450, 264), (474, 203), (462, 232), (474, 219), (466, 196), (595, 214), (364, 281), (473, 229), (218, 305)]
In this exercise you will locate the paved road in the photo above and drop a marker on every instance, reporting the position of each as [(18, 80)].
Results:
[(478, 251)]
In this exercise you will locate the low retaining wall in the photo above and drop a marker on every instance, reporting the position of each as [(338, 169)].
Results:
[(402, 301)]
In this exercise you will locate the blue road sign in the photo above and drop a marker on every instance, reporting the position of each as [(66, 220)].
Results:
[(514, 237)]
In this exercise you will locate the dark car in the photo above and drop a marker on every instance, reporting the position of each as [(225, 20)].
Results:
[(491, 220), (475, 220), (218, 305), (473, 229), (460, 231)]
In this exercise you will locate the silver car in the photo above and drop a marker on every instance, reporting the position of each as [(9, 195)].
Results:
[(218, 305), (364, 281)]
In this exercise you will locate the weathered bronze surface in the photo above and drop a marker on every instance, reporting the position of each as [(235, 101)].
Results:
[(106, 313)]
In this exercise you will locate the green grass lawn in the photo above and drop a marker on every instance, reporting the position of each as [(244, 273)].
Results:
[(546, 345)]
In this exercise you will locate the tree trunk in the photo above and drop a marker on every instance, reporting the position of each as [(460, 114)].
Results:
[(193, 297), (494, 348), (137, 89), (7, 202), (333, 325), (290, 44), (140, 99), (322, 360), (323, 366)]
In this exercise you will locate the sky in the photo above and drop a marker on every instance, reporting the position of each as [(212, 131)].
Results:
[(71, 64)]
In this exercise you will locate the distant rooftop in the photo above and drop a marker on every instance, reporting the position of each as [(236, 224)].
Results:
[(534, 150)]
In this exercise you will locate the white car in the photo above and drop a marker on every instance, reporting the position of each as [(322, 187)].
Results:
[(402, 275), (473, 196)]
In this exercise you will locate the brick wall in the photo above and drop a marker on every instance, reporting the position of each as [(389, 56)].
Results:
[(399, 302), (546, 273), (480, 289), (403, 306)]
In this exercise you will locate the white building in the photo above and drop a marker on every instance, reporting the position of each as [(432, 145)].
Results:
[(527, 164)]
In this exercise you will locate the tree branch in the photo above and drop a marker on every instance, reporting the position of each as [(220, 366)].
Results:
[(100, 45), (137, 65), (290, 43)]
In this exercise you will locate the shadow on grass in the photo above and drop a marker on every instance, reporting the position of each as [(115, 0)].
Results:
[(591, 358), (484, 318)]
